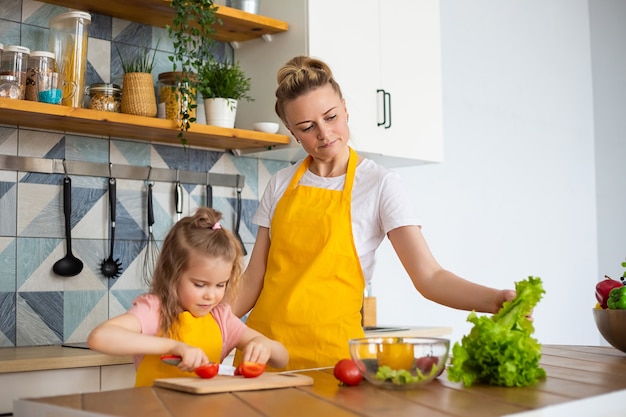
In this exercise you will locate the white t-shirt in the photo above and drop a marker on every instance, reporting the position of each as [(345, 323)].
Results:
[(379, 205)]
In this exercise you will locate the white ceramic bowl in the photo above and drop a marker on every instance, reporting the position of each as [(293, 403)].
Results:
[(267, 127)]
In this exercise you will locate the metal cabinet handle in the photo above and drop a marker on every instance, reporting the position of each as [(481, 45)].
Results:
[(386, 123)]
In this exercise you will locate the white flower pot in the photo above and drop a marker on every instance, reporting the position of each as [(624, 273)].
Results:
[(220, 111)]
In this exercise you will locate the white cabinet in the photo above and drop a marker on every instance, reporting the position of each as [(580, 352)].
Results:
[(370, 45)]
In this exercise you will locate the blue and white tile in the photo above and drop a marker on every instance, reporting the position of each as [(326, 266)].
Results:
[(100, 27), (86, 148), (125, 152), (11, 10), (8, 140), (120, 301), (38, 143), (39, 13), (8, 206), (39, 211), (35, 38), (99, 57), (39, 318), (8, 262), (7, 319), (78, 317)]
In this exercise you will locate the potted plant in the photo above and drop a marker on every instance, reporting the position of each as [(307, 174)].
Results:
[(191, 31), (222, 85), (138, 95)]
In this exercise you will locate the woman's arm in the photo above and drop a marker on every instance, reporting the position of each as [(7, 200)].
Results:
[(257, 348), (122, 335), (252, 280), (438, 284)]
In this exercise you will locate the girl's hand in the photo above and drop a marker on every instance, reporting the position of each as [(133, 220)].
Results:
[(257, 350), (192, 357)]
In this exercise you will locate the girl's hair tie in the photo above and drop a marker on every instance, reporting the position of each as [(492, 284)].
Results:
[(216, 226)]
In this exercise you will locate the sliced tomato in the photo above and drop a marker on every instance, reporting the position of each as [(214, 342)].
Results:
[(207, 371), (250, 369)]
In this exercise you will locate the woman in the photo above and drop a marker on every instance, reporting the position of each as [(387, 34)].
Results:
[(320, 222)]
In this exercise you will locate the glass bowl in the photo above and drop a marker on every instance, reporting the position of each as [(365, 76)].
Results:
[(400, 362)]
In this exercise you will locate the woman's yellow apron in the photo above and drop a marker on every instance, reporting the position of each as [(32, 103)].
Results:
[(313, 287), (201, 332)]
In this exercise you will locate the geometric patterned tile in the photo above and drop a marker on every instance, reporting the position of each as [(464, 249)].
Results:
[(39, 318), (7, 319), (8, 208), (8, 250), (77, 308)]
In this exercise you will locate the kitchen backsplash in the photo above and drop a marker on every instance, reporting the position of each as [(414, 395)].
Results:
[(38, 307)]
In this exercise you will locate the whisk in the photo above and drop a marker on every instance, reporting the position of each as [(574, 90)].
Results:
[(152, 248)]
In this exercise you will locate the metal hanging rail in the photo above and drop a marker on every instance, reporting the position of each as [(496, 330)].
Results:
[(94, 169)]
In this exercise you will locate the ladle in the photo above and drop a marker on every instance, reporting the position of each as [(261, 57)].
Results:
[(111, 268), (69, 265)]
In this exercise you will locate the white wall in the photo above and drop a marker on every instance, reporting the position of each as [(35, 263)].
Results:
[(516, 194)]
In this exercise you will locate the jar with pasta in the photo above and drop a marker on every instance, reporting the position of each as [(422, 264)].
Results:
[(69, 34), (171, 101)]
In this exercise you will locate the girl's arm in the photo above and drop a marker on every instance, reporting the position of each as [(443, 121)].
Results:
[(257, 348), (122, 335), (252, 279), (438, 284)]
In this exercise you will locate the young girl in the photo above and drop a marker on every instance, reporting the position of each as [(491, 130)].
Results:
[(182, 314)]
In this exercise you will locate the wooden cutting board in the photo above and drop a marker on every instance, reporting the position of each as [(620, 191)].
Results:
[(226, 383)]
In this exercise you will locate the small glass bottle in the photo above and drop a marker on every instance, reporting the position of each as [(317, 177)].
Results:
[(104, 97), (38, 62), (9, 88), (14, 62)]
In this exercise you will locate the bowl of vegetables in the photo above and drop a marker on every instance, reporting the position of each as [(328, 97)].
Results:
[(400, 362), (610, 311)]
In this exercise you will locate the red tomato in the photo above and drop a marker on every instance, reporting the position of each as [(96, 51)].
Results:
[(426, 363), (347, 372), (250, 369), (207, 371)]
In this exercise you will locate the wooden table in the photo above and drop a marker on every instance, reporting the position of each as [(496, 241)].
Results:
[(587, 373)]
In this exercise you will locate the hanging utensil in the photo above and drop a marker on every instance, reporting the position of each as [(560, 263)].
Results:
[(69, 265), (209, 192), (111, 268), (238, 219), (152, 249), (178, 197)]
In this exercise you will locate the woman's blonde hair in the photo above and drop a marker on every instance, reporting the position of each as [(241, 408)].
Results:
[(299, 76), (200, 234)]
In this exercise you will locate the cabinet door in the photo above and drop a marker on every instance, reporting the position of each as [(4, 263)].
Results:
[(345, 35), (410, 36)]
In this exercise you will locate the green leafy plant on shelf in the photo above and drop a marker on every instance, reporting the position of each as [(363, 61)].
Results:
[(192, 32), (223, 80), (142, 62)]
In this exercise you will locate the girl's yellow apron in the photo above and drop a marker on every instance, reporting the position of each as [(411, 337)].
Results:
[(313, 287), (202, 332)]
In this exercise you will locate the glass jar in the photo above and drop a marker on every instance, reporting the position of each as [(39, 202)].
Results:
[(38, 62), (68, 40), (104, 97), (9, 88), (171, 104), (14, 62)]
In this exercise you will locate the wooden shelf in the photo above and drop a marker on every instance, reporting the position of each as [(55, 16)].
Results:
[(237, 25), (93, 122)]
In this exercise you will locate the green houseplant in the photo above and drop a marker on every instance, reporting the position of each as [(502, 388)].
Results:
[(191, 31), (138, 96), (222, 85)]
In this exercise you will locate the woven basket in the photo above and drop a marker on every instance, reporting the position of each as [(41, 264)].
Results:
[(138, 96)]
